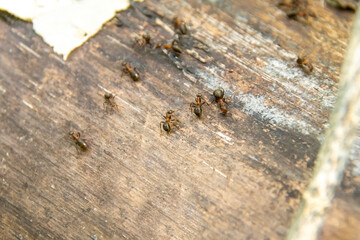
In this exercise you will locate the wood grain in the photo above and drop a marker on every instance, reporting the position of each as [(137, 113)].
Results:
[(238, 176)]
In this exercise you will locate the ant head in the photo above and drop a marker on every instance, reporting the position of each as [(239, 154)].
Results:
[(170, 112), (146, 36), (198, 95), (219, 93), (108, 95), (299, 60)]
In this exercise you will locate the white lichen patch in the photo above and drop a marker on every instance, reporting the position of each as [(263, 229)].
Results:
[(256, 106), (212, 78), (65, 24), (299, 84)]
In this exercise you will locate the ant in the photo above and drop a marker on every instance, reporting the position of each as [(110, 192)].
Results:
[(300, 14), (297, 10), (145, 39), (343, 5), (180, 26), (110, 101), (219, 98), (197, 105), (134, 74), (305, 64), (78, 141), (169, 119), (175, 46)]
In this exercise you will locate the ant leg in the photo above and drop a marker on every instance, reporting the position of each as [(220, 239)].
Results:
[(124, 69), (191, 107), (175, 41), (137, 43), (204, 99), (123, 72), (78, 150), (204, 103), (175, 121), (115, 106), (106, 106), (112, 106), (227, 100)]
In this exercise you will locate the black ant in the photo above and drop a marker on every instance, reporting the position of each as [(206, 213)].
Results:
[(297, 10), (300, 15), (180, 26), (173, 54), (145, 39), (78, 141), (305, 64), (197, 105), (175, 46), (343, 5), (110, 101), (134, 74), (169, 120), (219, 98)]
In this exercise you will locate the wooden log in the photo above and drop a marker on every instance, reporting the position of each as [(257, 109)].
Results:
[(238, 176)]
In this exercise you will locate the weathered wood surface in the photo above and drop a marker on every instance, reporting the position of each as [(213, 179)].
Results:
[(238, 176)]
